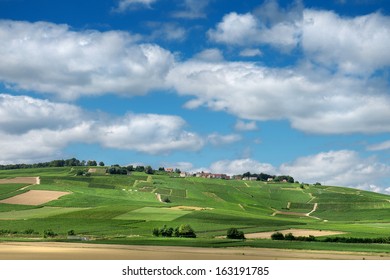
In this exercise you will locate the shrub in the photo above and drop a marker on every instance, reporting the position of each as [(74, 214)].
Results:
[(289, 236), (156, 232), (186, 230), (277, 236), (49, 233), (71, 232), (234, 233)]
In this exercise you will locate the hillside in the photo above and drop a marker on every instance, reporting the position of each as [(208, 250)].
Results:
[(125, 209)]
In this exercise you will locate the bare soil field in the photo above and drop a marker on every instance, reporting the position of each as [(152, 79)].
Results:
[(79, 251), (34, 197), (20, 180), (295, 232)]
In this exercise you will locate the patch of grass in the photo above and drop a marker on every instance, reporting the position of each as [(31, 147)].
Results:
[(153, 214), (43, 212)]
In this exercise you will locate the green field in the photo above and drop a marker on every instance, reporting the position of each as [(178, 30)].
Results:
[(125, 209)]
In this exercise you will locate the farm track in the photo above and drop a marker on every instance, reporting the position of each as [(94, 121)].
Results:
[(83, 251)]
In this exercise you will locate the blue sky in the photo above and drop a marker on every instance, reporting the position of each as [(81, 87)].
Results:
[(282, 87)]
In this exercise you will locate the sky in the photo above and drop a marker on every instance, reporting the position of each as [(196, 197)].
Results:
[(300, 88)]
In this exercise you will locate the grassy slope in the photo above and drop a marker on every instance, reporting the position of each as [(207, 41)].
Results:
[(119, 206)]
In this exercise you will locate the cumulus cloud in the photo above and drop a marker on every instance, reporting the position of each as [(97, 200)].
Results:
[(250, 52), (245, 126), (51, 58), (351, 45), (167, 31), (124, 5), (192, 9), (339, 168), (43, 128), (311, 101), (209, 55), (240, 166), (335, 168), (217, 139), (268, 25), (148, 133), (379, 146)]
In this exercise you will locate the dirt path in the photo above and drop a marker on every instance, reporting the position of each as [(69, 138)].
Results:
[(299, 214), (159, 197), (79, 251), (314, 209)]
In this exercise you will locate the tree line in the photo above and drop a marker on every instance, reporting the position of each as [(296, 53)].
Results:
[(264, 177), (53, 163)]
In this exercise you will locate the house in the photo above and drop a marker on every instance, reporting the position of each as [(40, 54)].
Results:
[(169, 170), (270, 179)]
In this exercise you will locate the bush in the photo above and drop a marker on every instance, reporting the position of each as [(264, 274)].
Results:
[(186, 231), (156, 232), (71, 232), (29, 231), (49, 233), (289, 236), (166, 232), (277, 236), (234, 233)]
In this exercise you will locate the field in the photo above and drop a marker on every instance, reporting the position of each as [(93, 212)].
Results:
[(124, 209)]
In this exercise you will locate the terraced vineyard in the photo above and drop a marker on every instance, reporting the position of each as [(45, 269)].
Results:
[(125, 209)]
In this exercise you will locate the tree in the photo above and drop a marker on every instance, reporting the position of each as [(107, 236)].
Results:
[(91, 163), (101, 164), (234, 233), (186, 230), (149, 170), (277, 236), (49, 233), (140, 168)]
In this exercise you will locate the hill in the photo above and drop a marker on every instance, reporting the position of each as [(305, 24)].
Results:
[(126, 208)]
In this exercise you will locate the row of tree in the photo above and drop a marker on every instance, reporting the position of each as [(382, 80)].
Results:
[(53, 163), (265, 177)]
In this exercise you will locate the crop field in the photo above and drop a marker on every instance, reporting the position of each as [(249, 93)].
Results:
[(126, 208)]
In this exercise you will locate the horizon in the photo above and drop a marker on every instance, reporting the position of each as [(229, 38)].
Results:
[(277, 87)]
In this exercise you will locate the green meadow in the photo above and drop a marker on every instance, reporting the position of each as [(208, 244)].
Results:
[(124, 209)]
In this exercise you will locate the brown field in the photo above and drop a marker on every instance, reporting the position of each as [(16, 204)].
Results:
[(295, 232), (20, 180), (34, 197), (73, 251)]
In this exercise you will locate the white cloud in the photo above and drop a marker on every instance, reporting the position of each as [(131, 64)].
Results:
[(44, 128), (349, 45), (51, 58), (380, 146), (192, 9), (240, 166), (353, 45), (20, 114), (250, 52), (339, 168), (312, 100), (167, 31), (268, 25), (245, 126), (124, 5), (210, 55), (217, 139), (236, 29), (148, 133), (334, 168)]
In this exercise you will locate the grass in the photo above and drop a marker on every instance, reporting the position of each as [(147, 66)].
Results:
[(43, 212), (113, 206), (153, 214)]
